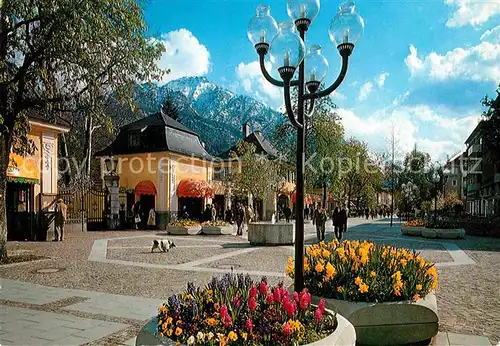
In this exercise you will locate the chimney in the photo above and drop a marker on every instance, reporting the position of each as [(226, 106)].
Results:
[(246, 129)]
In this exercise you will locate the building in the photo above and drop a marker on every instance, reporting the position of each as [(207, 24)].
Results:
[(482, 177), (32, 182), (163, 165), (455, 172)]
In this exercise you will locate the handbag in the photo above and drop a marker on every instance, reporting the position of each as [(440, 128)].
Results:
[(137, 218)]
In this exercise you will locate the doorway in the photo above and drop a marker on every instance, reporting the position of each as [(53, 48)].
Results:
[(190, 208)]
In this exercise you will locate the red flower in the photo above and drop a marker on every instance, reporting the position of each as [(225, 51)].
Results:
[(322, 305), (304, 299), (223, 311), (289, 307), (252, 304), (286, 329), (285, 294), (228, 321), (270, 298), (318, 315), (296, 297), (249, 325), (253, 292), (277, 295), (263, 288)]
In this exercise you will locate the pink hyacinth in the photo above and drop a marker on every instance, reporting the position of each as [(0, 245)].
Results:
[(289, 307), (228, 321), (249, 325), (223, 311), (252, 304), (286, 329), (253, 292), (277, 295), (296, 297), (263, 288), (318, 315), (270, 298), (322, 305), (285, 294), (304, 300)]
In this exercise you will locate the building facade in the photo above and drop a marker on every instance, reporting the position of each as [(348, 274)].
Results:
[(32, 182)]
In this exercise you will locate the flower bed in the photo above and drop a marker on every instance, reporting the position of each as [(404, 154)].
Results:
[(234, 310), (184, 227), (441, 228), (216, 228), (374, 286)]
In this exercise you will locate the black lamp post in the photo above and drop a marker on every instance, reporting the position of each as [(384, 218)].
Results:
[(286, 48)]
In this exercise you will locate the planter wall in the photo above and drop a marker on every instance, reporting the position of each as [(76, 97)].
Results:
[(393, 323), (183, 230), (433, 232), (344, 335), (217, 230), (267, 233)]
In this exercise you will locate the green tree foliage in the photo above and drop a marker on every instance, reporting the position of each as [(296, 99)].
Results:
[(256, 174), (415, 170), (59, 58), (168, 108), (491, 128)]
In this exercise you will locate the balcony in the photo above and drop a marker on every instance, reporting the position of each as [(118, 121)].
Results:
[(474, 150)]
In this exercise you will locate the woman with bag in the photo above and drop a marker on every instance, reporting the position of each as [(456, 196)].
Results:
[(137, 214)]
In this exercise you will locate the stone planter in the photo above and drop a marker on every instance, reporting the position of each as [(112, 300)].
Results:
[(433, 232), (183, 230), (393, 323), (217, 230), (267, 233), (344, 335)]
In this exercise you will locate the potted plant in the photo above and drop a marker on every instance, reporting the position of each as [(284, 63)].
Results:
[(235, 310), (184, 227), (216, 228), (385, 292)]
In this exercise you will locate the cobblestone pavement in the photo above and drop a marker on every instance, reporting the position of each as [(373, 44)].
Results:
[(110, 283)]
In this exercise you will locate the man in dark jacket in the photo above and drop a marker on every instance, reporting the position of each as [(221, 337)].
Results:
[(336, 222), (240, 217), (287, 212), (343, 219)]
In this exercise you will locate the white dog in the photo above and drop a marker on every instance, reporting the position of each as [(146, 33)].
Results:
[(162, 245)]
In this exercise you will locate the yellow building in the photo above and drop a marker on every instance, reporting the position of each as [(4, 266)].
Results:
[(32, 181), (161, 164)]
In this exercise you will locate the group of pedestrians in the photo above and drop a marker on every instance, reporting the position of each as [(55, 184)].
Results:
[(339, 217)]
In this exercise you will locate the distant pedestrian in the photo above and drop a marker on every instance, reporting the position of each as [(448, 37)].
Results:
[(319, 220), (344, 215), (207, 214), (337, 223), (137, 214), (240, 217), (229, 215), (61, 210), (306, 212), (213, 210), (249, 215), (152, 219), (287, 212)]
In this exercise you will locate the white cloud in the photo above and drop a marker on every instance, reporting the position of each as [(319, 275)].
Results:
[(381, 79), (365, 91), (492, 36), (250, 79), (184, 56), (478, 63), (472, 12), (401, 98), (411, 125)]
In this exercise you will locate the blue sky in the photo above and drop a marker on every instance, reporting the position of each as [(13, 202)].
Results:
[(421, 67)]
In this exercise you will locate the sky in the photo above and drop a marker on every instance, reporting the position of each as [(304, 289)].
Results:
[(419, 71)]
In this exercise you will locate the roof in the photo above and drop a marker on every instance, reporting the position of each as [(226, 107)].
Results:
[(158, 132), (475, 132), (39, 121), (262, 146)]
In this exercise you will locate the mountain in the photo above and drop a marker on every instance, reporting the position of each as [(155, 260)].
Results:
[(215, 113)]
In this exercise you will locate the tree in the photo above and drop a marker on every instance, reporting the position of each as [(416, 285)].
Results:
[(324, 141), (491, 128), (60, 58), (168, 108), (257, 174), (416, 164)]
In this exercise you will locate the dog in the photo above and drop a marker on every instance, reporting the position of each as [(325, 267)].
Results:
[(162, 245)]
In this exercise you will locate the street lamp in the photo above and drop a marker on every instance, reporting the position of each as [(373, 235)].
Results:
[(287, 52), (435, 179)]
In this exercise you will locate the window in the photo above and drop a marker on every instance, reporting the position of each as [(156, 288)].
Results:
[(134, 140), (454, 182)]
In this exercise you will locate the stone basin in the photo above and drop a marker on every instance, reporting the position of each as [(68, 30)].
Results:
[(217, 230), (267, 233), (183, 230)]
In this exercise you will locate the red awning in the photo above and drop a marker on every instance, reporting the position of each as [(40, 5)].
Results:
[(195, 188), (145, 187)]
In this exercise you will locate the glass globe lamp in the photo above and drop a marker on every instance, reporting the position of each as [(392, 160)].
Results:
[(287, 48), (302, 9), (316, 65), (262, 27), (347, 26)]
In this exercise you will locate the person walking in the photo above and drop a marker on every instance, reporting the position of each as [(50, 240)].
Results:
[(152, 219), (61, 211), (137, 214), (249, 215), (240, 217), (287, 212), (336, 222), (319, 221), (214, 212), (207, 214), (343, 216)]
